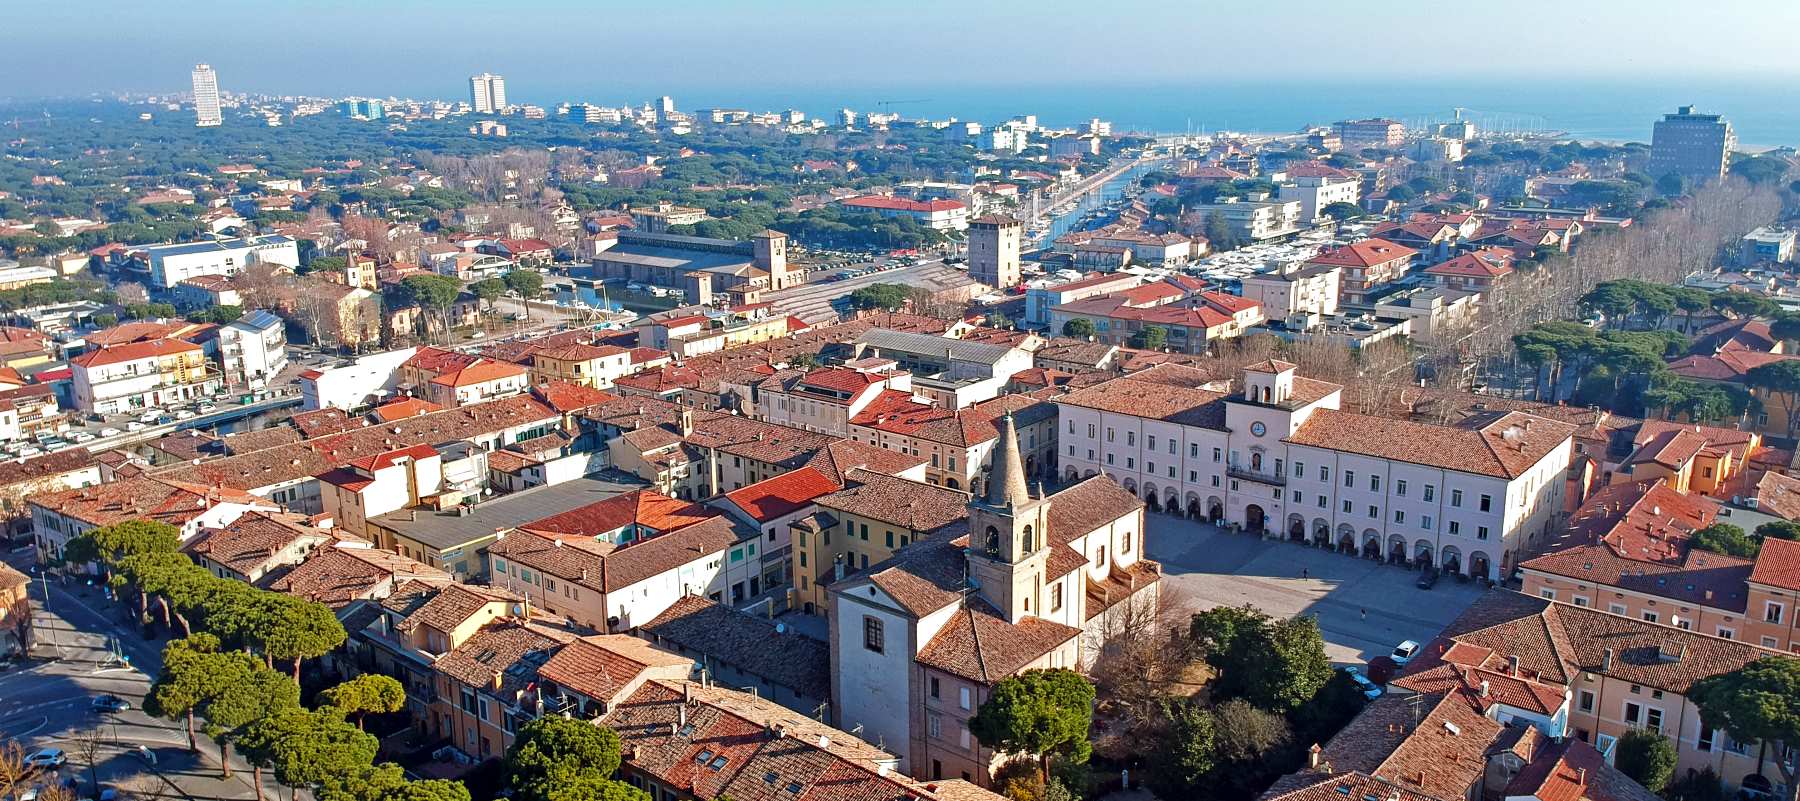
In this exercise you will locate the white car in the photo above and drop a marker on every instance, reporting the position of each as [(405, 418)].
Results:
[(134, 426), (81, 436), (184, 414), (46, 758), (1369, 689), (147, 417), (208, 408), (110, 432), (1404, 653), (30, 450)]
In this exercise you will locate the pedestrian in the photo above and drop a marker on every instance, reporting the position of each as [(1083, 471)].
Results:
[(1303, 573), (1364, 613)]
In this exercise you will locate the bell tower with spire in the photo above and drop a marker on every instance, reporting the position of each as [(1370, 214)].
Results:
[(1009, 533)]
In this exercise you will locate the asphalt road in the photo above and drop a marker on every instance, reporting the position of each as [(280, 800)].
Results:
[(819, 301), (47, 703), (1364, 608)]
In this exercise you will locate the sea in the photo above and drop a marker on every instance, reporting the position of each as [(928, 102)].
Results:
[(1764, 111)]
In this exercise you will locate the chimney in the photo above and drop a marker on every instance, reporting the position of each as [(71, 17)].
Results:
[(1512, 665), (681, 715), (1581, 775), (1606, 661), (1312, 756), (687, 697), (1484, 688)]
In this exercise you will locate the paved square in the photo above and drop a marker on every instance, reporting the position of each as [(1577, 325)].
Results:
[(1207, 567)]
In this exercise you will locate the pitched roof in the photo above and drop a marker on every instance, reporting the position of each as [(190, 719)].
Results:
[(781, 495), (1503, 446), (979, 645), (747, 643), (1778, 564), (603, 665), (252, 540), (1366, 253), (144, 497), (503, 655), (134, 351), (337, 576), (480, 372), (647, 508), (901, 502)]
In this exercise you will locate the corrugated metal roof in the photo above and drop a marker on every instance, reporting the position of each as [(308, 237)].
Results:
[(957, 349)]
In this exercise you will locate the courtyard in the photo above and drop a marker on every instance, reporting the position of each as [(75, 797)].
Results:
[(1364, 607)]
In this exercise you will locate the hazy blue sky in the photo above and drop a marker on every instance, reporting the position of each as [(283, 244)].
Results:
[(612, 51)]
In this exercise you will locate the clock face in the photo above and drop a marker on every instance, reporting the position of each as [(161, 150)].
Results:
[(1257, 428)]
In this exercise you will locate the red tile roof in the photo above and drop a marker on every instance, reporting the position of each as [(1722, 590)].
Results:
[(647, 508), (405, 407), (480, 372), (134, 351), (1778, 565), (1367, 253), (785, 494), (901, 204)]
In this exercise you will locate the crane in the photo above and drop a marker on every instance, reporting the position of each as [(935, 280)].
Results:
[(884, 105)]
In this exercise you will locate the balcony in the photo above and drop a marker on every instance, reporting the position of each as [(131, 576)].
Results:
[(1241, 472)]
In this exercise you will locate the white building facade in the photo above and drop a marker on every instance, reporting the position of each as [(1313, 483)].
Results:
[(172, 264), (1278, 457)]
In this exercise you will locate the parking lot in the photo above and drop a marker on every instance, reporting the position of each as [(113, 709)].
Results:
[(1364, 608)]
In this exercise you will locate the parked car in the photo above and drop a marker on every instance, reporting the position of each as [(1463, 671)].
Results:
[(184, 414), (1427, 580), (134, 426), (30, 450), (208, 408), (46, 758), (81, 436), (1370, 689), (109, 703), (110, 432), (1404, 652)]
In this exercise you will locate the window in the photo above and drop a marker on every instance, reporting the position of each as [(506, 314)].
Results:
[(1651, 617), (468, 700), (1579, 600), (1456, 497), (1056, 600), (1299, 470), (1348, 506), (873, 638), (1324, 473), (962, 698), (1218, 455), (1705, 741), (1547, 594), (1481, 532), (1425, 522), (1150, 441), (1321, 501), (1653, 719), (1399, 515), (1585, 701), (1616, 608), (1109, 435), (936, 724), (1297, 497), (1374, 511), (1215, 481), (1374, 483), (1100, 557), (1634, 713), (1726, 634), (1193, 450), (1171, 471), (1455, 527), (1131, 438), (1349, 478), (1772, 612), (1430, 491), (934, 686), (1400, 487), (1090, 430), (1487, 502)]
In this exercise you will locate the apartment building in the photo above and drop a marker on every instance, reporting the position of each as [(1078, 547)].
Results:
[(1367, 266), (253, 349), (1279, 456), (1475, 271), (957, 442), (1382, 134), (157, 374), (172, 264), (596, 366), (825, 399), (1292, 289), (1190, 320), (1039, 300), (1692, 145), (57, 517), (1316, 192), (942, 215), (1254, 220)]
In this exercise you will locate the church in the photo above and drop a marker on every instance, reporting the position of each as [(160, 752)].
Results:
[(1026, 581)]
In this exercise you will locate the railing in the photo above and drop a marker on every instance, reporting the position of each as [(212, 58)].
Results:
[(1245, 473)]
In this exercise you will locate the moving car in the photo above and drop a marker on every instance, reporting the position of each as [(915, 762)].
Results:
[(110, 703), (46, 758), (1404, 652)]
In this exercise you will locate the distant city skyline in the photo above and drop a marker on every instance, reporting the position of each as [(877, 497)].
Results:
[(337, 47)]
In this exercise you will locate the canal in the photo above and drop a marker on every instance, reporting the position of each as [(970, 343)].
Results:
[(1110, 191)]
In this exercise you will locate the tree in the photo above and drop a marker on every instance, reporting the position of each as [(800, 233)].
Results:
[(1184, 751), (1152, 337), (86, 745), (370, 692), (1080, 327), (887, 297), (1341, 211), (563, 759), (1724, 538), (1671, 185), (1780, 381), (432, 293), (1778, 530), (189, 677), (1276, 665), (248, 691), (489, 290), (528, 283), (107, 545), (1041, 713), (1696, 785), (308, 747), (1647, 757), (1757, 703), (387, 782), (1760, 169)]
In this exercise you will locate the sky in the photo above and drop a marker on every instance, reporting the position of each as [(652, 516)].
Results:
[(615, 51)]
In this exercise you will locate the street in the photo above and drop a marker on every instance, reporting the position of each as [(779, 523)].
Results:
[(1364, 608), (47, 702), (819, 300)]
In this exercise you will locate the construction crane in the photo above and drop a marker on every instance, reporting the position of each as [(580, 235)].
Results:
[(884, 105)]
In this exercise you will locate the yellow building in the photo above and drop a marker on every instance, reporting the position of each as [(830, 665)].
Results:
[(863, 524), (594, 366)]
